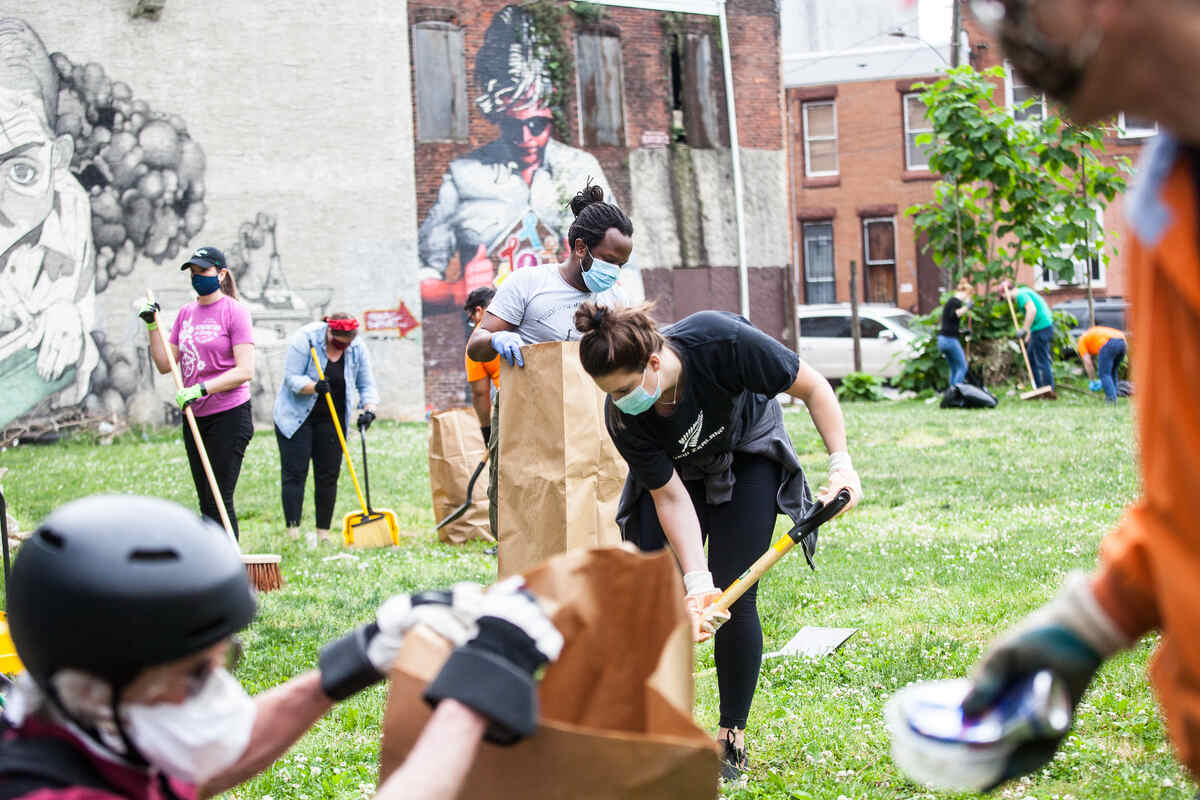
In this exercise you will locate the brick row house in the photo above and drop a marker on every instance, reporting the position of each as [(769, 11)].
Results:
[(853, 116)]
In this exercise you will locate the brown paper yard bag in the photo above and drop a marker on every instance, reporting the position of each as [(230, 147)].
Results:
[(455, 448), (560, 475), (616, 707)]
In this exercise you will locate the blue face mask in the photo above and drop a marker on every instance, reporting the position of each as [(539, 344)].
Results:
[(205, 284), (601, 276), (639, 400)]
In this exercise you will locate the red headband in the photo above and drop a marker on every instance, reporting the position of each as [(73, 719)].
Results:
[(343, 325)]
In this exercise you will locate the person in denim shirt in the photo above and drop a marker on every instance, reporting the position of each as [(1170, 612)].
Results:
[(303, 425)]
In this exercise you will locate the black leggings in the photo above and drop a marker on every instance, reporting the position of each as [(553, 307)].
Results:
[(738, 532), (316, 440), (225, 436)]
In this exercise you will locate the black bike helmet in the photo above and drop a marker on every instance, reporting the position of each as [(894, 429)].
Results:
[(111, 585)]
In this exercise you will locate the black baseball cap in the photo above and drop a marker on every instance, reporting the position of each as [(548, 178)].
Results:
[(206, 257)]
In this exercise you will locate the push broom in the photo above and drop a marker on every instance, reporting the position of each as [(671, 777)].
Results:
[(261, 568), (1035, 390), (816, 517), (371, 528)]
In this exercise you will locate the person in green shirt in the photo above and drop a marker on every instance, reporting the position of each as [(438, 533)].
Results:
[(1037, 329)]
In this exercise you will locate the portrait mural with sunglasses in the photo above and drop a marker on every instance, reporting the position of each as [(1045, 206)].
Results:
[(504, 206)]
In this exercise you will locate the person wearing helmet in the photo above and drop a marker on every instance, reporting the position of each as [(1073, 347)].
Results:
[(123, 610)]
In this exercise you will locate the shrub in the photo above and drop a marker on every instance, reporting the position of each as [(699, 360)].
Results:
[(859, 386)]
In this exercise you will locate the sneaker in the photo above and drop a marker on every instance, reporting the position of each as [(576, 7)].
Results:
[(733, 762), (310, 539), (493, 550)]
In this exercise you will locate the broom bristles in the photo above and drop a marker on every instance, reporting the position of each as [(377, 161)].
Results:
[(263, 571), (373, 532)]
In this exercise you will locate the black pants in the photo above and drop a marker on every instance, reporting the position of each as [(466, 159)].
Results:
[(316, 441), (738, 532), (225, 436)]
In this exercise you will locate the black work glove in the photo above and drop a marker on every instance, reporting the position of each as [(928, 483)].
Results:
[(486, 430), (365, 419), (495, 673), (147, 311), (322, 387), (1070, 636)]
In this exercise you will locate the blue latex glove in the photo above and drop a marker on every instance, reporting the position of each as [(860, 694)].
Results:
[(1095, 386), (508, 345)]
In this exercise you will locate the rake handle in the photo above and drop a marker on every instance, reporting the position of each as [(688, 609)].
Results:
[(819, 515), (337, 426), (1021, 341), (190, 416)]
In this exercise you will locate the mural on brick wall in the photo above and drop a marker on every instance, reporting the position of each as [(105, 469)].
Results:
[(92, 179), (503, 206)]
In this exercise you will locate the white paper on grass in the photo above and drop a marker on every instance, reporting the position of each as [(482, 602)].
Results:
[(814, 642)]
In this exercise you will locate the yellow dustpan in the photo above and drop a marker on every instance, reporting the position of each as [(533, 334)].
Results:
[(371, 528)]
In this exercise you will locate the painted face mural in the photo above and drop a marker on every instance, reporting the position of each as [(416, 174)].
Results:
[(91, 179), (503, 206)]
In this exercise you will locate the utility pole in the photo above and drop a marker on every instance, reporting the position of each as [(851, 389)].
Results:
[(855, 333), (956, 33)]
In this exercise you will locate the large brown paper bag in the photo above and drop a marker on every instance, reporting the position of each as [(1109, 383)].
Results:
[(616, 707), (456, 447), (560, 475)]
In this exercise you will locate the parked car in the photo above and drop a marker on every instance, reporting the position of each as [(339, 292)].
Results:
[(1110, 311), (826, 344)]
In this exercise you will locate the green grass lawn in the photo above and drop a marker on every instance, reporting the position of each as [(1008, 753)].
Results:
[(971, 520)]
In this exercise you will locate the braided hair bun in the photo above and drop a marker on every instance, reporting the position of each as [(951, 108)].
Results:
[(591, 193)]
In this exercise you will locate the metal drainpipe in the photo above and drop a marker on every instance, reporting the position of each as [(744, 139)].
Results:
[(738, 194)]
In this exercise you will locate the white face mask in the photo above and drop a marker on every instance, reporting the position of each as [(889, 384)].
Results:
[(198, 738)]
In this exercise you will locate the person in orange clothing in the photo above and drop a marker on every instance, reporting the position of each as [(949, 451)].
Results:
[(1148, 579), (484, 376), (1107, 347)]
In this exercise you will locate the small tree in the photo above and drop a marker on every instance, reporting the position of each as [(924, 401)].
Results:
[(1009, 192)]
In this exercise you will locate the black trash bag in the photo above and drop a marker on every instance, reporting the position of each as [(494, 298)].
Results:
[(964, 395), (975, 377)]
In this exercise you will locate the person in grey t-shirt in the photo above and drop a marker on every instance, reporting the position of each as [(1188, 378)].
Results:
[(538, 304)]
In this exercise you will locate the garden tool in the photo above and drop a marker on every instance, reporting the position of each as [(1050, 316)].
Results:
[(458, 512), (1035, 390), (262, 568), (818, 515), (368, 528), (9, 663)]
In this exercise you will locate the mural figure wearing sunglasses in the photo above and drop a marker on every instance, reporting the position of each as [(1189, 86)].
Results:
[(504, 206)]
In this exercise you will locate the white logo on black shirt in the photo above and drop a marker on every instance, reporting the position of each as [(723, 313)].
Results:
[(690, 439)]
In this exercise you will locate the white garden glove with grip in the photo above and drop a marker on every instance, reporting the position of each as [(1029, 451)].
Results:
[(1071, 636), (364, 656), (495, 673), (701, 594), (841, 475)]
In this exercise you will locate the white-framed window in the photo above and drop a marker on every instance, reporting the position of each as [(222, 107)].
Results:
[(1131, 126), (916, 122), (879, 258), (819, 285), (1016, 92), (1046, 279), (820, 138)]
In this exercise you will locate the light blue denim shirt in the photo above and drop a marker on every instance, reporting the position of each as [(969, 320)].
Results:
[(291, 407)]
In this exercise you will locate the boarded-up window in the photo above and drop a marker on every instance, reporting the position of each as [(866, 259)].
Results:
[(879, 246), (696, 103), (440, 82), (598, 64)]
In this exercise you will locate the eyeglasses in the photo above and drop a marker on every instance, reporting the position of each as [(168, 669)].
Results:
[(535, 125)]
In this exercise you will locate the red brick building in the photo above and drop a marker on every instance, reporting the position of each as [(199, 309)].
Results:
[(642, 112), (852, 120)]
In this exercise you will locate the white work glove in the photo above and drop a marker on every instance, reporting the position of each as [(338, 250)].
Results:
[(701, 594), (841, 475), (450, 613)]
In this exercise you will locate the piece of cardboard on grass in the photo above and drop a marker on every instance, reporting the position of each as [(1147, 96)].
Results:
[(814, 642), (616, 707)]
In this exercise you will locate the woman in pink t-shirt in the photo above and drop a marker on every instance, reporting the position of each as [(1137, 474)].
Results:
[(213, 342)]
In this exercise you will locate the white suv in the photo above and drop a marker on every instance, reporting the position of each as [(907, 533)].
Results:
[(827, 346)]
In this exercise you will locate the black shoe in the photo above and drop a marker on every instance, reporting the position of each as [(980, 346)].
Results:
[(733, 763), (493, 550)]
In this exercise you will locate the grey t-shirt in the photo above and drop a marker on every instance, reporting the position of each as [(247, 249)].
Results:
[(542, 305)]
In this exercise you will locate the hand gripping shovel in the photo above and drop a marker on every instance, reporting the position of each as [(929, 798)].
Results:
[(817, 516), (369, 528)]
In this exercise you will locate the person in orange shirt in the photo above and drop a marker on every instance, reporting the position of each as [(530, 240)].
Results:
[(484, 376), (1107, 347), (1079, 52)]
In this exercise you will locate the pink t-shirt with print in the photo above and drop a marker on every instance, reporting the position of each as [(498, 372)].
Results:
[(206, 336)]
